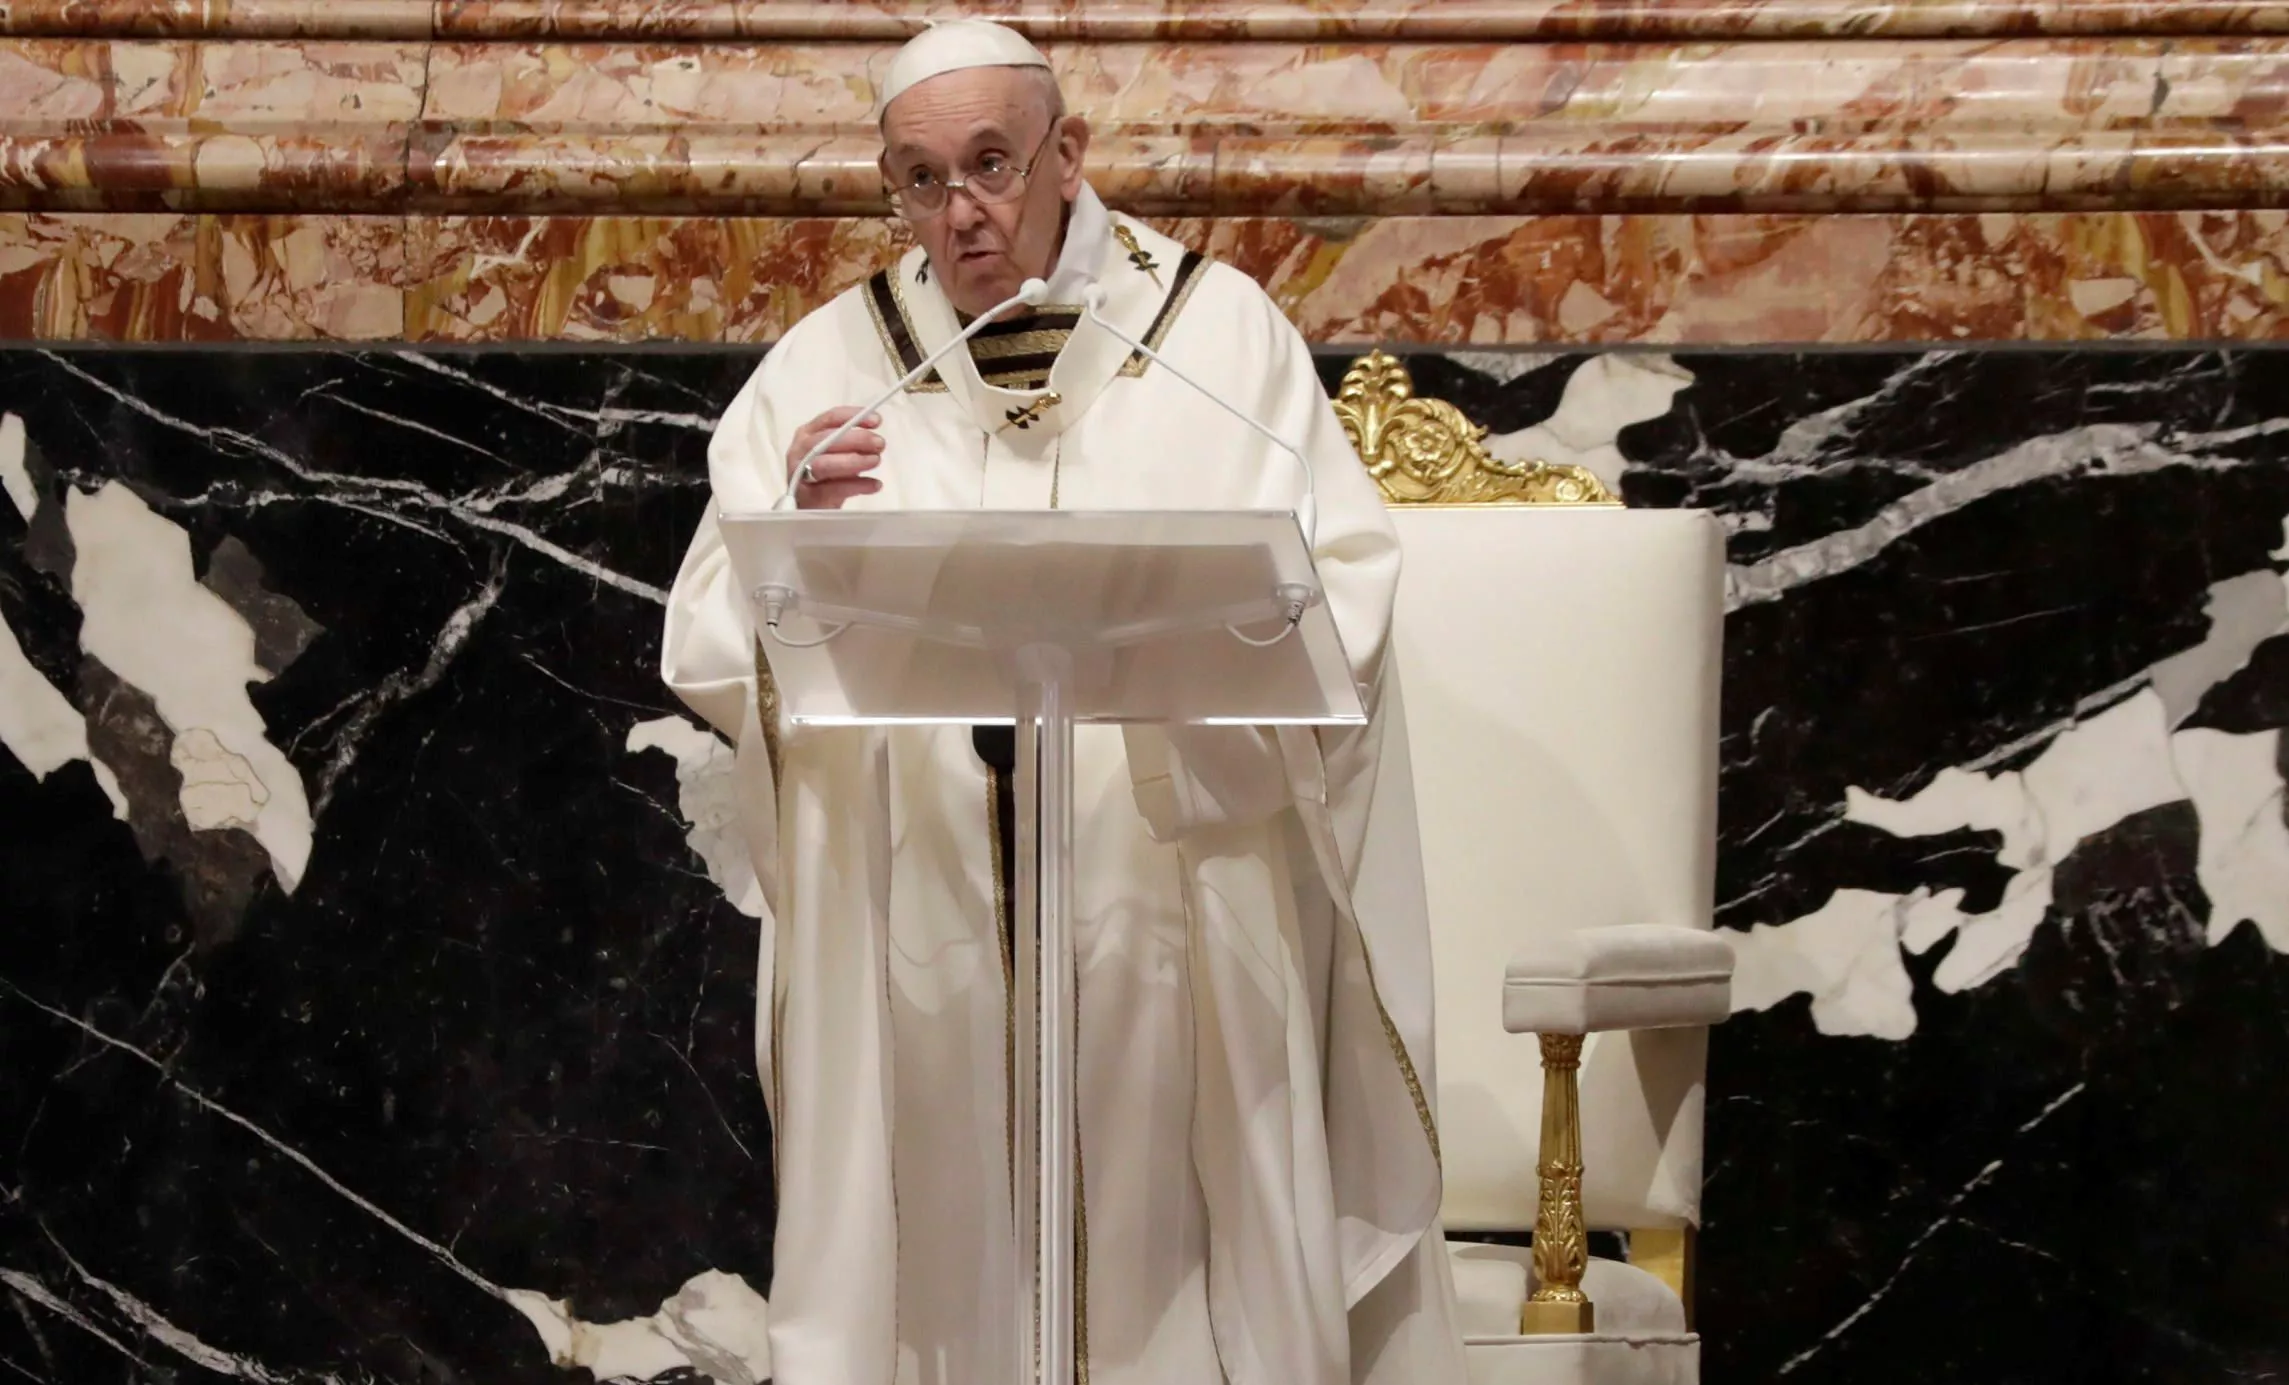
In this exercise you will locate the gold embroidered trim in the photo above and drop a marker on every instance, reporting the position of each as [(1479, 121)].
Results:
[(1025, 416), (767, 713), (1036, 341), (1391, 1037), (1080, 1215), (933, 383), (1002, 915), (1138, 255), (1406, 1064), (1188, 277), (778, 1044), (897, 1222)]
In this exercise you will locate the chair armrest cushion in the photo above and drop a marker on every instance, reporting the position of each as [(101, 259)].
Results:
[(1633, 976)]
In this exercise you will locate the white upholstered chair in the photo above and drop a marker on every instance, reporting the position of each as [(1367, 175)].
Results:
[(1558, 662)]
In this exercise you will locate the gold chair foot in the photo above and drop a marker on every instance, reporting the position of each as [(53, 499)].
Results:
[(1545, 1318)]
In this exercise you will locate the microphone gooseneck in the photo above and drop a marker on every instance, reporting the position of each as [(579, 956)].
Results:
[(1032, 293), (1307, 506)]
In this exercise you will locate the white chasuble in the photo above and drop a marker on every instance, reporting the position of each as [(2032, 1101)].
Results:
[(1258, 1153)]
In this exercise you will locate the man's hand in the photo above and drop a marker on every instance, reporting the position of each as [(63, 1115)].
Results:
[(840, 472)]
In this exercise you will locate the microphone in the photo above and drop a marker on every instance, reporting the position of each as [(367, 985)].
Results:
[(1031, 293), (1307, 508)]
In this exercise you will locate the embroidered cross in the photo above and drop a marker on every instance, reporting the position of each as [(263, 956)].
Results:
[(1027, 416), (922, 272), (1138, 255)]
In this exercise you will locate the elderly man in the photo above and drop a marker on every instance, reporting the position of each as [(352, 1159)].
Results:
[(1258, 1157)]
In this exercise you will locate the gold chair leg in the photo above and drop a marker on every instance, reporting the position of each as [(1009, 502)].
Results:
[(1561, 1242)]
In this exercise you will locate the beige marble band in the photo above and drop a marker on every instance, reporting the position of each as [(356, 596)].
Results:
[(1457, 172), (1130, 20), (1185, 129)]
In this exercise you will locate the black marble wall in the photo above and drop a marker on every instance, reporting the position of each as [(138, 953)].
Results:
[(2007, 1108)]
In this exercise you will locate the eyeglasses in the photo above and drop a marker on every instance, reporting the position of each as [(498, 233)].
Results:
[(995, 180)]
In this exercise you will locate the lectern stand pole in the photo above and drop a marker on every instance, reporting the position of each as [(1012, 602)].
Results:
[(1042, 971)]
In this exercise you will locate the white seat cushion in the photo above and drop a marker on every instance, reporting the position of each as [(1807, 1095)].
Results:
[(1596, 1360), (1629, 976), (1641, 1337)]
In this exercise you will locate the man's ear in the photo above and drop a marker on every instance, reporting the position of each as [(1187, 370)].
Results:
[(1072, 146)]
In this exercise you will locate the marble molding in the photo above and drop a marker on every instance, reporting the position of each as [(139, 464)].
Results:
[(377, 991), (1183, 128), (1488, 281), (1291, 20)]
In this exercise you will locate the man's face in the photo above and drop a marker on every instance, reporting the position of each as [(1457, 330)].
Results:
[(954, 126)]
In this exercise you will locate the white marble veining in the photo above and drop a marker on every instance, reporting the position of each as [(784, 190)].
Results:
[(443, 1255), (603, 421), (151, 1323), (1951, 1214), (2095, 774), (357, 715), (2243, 865), (1846, 956), (15, 478), (708, 798), (147, 619), (2097, 451), (40, 727), (409, 504), (2096, 770), (716, 1325), (2244, 612), (38, 724), (1607, 394), (1503, 366)]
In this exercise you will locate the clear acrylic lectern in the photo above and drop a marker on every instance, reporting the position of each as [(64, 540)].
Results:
[(1044, 620)]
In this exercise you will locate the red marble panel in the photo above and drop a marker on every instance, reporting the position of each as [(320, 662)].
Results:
[(109, 277), (1941, 279), (623, 279), (161, 277), (2158, 277), (309, 278), (565, 279), (1449, 280), (775, 272)]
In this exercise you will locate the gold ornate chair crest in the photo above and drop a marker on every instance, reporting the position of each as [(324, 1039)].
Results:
[(1425, 452), (1564, 759)]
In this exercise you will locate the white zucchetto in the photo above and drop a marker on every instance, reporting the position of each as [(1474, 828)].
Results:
[(954, 45)]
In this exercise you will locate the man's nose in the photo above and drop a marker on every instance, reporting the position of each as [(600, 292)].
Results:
[(962, 210)]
